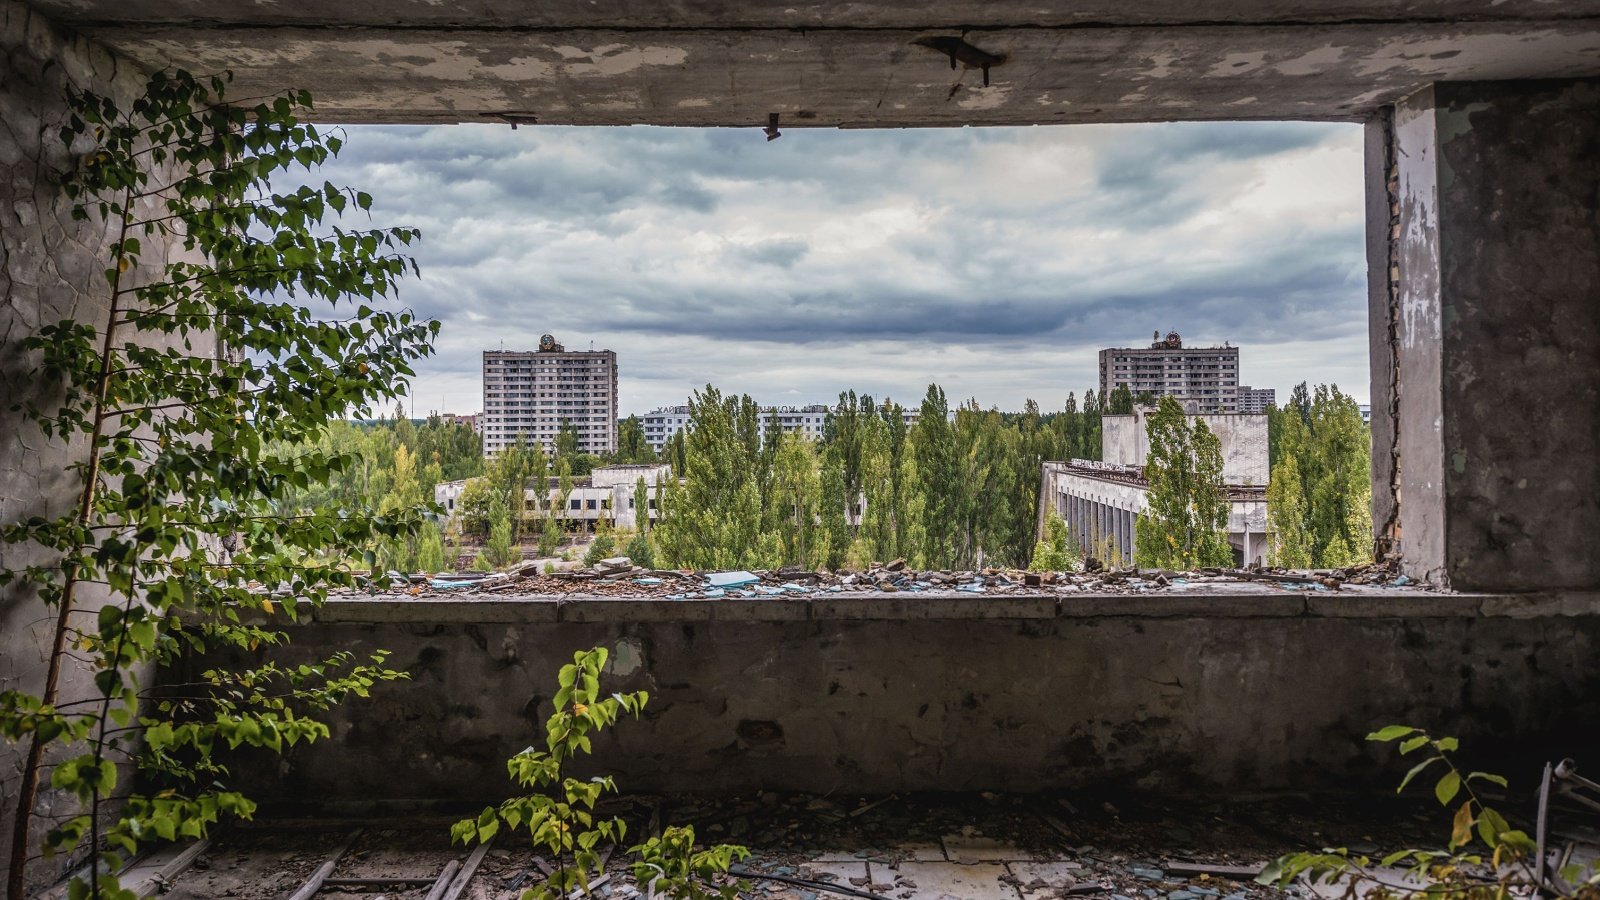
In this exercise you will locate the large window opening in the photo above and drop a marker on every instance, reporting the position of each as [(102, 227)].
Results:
[(1051, 283)]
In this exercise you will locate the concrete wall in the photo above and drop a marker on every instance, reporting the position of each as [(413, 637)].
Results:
[(875, 695), (1496, 331), (1123, 440), (50, 269)]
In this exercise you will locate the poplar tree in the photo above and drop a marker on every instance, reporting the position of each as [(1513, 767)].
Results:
[(911, 504), (937, 461), (796, 492), (713, 518), (877, 533), (632, 445), (500, 551), (1121, 402), (1186, 513), (1286, 516), (1319, 499)]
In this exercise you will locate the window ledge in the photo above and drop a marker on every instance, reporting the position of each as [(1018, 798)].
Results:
[(954, 605)]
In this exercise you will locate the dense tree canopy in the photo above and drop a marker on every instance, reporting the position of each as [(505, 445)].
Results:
[(1319, 500), (955, 489)]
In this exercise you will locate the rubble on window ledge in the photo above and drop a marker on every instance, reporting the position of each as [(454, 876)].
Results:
[(618, 577)]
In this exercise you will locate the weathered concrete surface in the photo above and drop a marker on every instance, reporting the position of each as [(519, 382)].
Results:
[(1126, 440), (1383, 221), (50, 269), (856, 64), (1497, 333), (1159, 692), (810, 13)]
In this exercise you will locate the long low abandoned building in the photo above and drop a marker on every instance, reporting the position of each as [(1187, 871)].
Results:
[(1101, 500)]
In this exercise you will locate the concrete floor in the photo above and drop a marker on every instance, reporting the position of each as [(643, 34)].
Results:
[(949, 847)]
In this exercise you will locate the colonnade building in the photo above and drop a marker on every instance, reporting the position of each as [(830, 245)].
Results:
[(1100, 500)]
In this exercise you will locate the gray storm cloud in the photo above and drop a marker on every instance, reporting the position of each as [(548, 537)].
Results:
[(995, 261)]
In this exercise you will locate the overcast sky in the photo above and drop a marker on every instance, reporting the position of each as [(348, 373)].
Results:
[(996, 261)]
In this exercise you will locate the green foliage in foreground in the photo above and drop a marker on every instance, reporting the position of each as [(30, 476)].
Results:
[(179, 515), (1483, 859), (559, 816)]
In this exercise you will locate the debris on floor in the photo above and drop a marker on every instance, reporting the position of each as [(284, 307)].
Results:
[(804, 847)]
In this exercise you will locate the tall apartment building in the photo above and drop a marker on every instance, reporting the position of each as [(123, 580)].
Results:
[(1205, 378), (532, 393), (1254, 401)]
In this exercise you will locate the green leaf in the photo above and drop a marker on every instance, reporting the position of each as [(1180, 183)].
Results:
[(1391, 732), (1491, 825), (1411, 744), (1447, 787), (1415, 770)]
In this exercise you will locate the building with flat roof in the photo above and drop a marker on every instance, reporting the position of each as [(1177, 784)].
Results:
[(661, 424), (1100, 500), (533, 393), (609, 493), (1254, 401), (1205, 378)]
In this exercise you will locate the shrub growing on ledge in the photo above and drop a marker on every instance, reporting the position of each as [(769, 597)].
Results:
[(195, 369), (1056, 552)]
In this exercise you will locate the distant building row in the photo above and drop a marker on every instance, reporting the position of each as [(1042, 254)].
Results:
[(661, 424), (608, 493)]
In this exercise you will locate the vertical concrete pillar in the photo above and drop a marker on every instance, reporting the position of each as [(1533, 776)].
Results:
[(50, 269), (1081, 521), (1486, 333)]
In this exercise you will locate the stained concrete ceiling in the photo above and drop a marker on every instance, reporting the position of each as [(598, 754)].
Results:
[(851, 64)]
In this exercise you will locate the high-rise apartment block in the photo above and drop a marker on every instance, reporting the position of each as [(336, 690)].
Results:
[(1206, 379), (533, 393), (1254, 401)]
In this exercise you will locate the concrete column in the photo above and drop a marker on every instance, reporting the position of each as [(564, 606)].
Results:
[(1490, 328), (49, 270), (1085, 539)]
